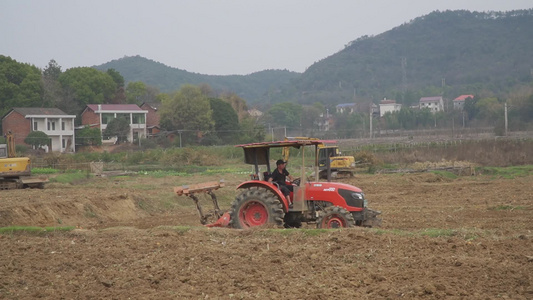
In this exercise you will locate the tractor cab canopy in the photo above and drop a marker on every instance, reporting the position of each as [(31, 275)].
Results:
[(259, 153)]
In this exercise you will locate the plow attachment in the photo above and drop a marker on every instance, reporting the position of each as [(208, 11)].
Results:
[(221, 220), (371, 218)]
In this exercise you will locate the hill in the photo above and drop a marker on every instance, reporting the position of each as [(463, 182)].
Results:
[(449, 53), (443, 53), (251, 87)]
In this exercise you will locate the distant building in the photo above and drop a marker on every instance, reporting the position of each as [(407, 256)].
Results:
[(324, 122), (99, 115), (346, 107), (386, 106), (434, 104), (54, 122), (152, 118), (459, 102), (255, 113)]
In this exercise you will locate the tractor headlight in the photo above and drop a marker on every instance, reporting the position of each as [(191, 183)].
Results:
[(358, 196)]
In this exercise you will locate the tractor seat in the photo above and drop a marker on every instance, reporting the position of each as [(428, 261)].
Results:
[(266, 176)]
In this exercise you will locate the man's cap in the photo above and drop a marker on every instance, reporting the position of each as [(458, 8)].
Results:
[(280, 161)]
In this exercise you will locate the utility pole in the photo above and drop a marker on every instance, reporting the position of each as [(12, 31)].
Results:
[(404, 74), (370, 114), (506, 121)]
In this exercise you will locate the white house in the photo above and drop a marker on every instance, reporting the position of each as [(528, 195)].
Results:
[(348, 107), (434, 104), (386, 106), (99, 115)]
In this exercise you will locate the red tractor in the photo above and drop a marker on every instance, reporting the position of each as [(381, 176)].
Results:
[(259, 202)]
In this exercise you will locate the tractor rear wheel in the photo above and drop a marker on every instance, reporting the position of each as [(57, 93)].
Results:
[(256, 206), (335, 217)]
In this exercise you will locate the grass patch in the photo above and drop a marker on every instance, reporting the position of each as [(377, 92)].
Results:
[(438, 232), (162, 173), (393, 232), (445, 174), (71, 178), (507, 172), (34, 229), (315, 232), (506, 207), (279, 231), (43, 171)]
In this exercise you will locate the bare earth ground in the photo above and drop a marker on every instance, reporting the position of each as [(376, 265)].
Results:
[(136, 239)]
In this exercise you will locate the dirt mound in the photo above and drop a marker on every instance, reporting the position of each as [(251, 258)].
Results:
[(51, 207)]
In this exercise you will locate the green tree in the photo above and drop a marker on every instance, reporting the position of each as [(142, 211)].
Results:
[(349, 125), (117, 77), (138, 92), (251, 131), (37, 139), (285, 114), (471, 108), (20, 85), (226, 120), (118, 127), (135, 92), (238, 104), (87, 86), (52, 91), (52, 71), (89, 136), (390, 121), (489, 109), (188, 109)]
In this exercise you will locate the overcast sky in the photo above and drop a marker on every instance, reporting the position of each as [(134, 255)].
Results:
[(216, 37)]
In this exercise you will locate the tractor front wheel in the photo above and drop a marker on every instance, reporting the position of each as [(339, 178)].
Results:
[(256, 206), (335, 217)]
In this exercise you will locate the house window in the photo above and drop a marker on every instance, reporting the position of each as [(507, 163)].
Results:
[(124, 116), (35, 127), (52, 125), (63, 143), (62, 125), (107, 117), (138, 119)]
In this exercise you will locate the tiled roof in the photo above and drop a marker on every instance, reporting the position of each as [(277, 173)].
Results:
[(387, 102), (463, 97), (25, 111), (345, 105), (431, 99), (115, 107), (153, 105)]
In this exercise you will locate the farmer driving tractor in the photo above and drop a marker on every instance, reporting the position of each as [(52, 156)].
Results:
[(279, 176)]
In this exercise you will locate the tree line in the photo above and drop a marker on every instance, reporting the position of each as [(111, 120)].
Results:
[(200, 115)]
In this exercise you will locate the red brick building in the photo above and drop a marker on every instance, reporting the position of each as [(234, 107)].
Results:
[(54, 122), (152, 118)]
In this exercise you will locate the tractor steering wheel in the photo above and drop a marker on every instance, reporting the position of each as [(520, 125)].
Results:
[(296, 181)]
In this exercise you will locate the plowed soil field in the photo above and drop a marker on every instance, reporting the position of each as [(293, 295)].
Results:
[(462, 238)]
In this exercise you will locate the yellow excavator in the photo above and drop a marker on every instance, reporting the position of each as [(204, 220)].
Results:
[(340, 165), (15, 172)]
